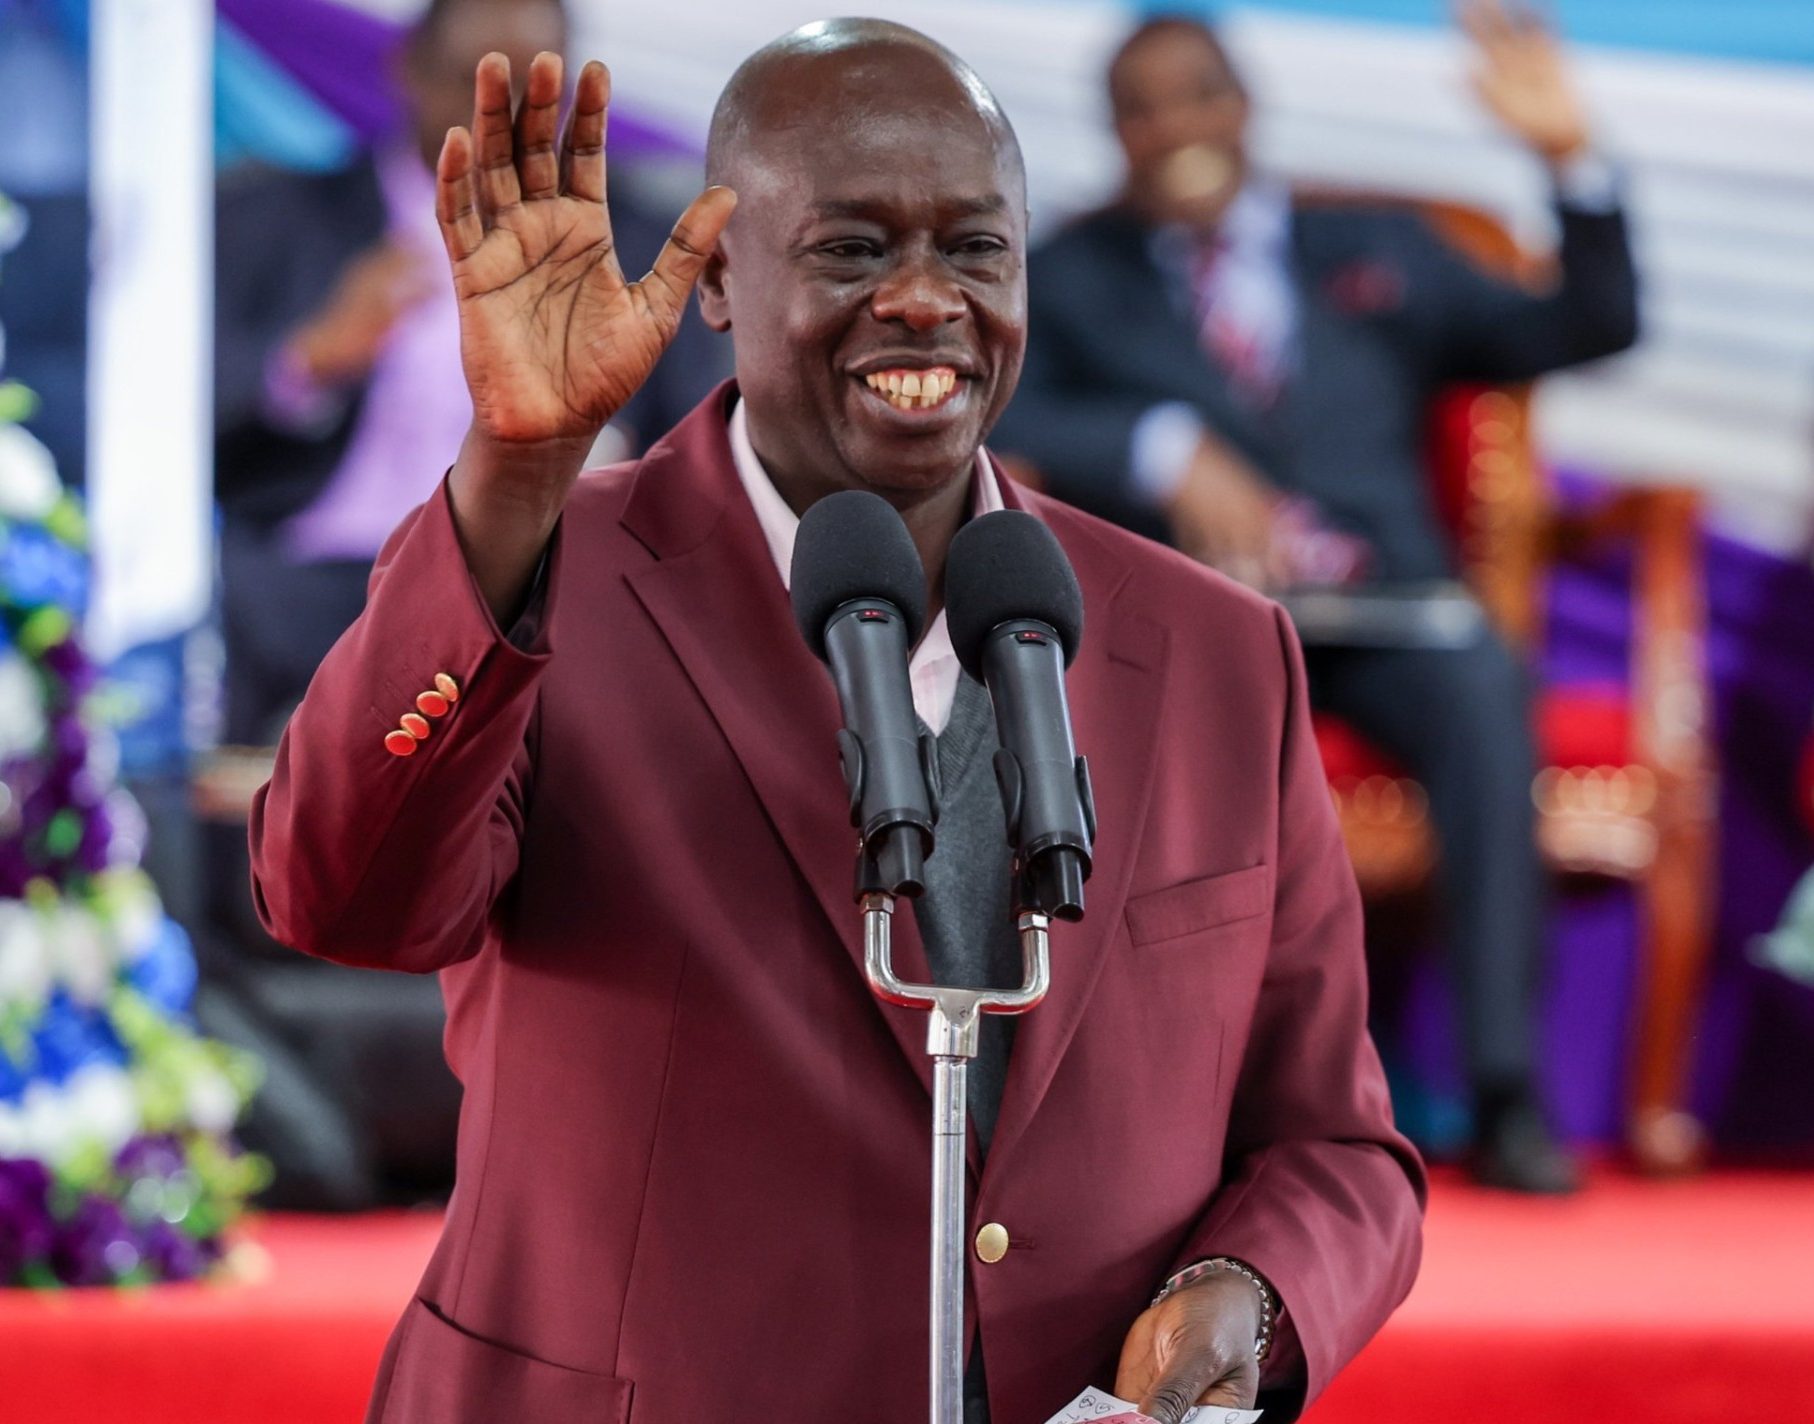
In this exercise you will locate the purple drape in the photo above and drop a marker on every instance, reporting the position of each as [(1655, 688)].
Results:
[(344, 58), (340, 55)]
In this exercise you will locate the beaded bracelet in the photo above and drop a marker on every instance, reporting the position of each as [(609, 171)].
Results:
[(1196, 1272)]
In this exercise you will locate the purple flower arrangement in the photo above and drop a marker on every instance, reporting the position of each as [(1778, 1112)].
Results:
[(117, 1164), (137, 1231)]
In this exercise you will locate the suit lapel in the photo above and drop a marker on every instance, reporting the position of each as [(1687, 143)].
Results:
[(717, 599), (1115, 690), (714, 594)]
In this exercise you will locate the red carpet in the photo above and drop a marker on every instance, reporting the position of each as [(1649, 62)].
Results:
[(1635, 1303)]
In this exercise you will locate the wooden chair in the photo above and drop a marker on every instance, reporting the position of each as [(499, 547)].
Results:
[(1627, 785)]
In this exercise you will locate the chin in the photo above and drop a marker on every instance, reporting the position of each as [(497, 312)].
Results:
[(912, 472)]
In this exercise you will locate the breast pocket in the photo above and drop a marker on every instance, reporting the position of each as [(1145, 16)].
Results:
[(1197, 953), (445, 1375), (1187, 909)]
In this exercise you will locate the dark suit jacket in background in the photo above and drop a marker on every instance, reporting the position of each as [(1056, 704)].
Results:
[(693, 1148), (1387, 313), (281, 241)]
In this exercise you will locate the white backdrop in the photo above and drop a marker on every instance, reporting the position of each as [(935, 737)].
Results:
[(150, 432)]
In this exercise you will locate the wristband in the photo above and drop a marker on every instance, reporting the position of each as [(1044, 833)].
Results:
[(1268, 1303)]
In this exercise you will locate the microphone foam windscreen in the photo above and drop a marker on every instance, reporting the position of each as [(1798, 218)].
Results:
[(1003, 566), (852, 544)]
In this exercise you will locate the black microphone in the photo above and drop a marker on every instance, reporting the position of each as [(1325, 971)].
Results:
[(1016, 619), (859, 595)]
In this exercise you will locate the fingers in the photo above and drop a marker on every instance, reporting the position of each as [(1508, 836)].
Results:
[(1484, 20), (455, 200), (682, 257), (537, 123), (492, 137), (1498, 26), (583, 150)]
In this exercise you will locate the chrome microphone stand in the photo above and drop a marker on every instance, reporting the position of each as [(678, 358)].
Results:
[(951, 1038)]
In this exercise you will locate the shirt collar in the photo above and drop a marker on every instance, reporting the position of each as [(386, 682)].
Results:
[(1259, 218), (1257, 223), (780, 525)]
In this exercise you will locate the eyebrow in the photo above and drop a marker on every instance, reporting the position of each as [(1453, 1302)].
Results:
[(871, 207)]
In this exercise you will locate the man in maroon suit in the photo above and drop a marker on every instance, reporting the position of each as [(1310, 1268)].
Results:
[(693, 1157)]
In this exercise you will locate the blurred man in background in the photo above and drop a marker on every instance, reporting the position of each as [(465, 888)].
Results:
[(1215, 364), (338, 388), (339, 401)]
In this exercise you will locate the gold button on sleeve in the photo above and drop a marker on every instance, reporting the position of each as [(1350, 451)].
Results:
[(447, 687), (399, 743), (992, 1243), (415, 724), (431, 704)]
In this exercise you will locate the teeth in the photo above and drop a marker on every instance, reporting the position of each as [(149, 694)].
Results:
[(912, 390)]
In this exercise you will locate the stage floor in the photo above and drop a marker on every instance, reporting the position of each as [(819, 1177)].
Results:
[(1634, 1303)]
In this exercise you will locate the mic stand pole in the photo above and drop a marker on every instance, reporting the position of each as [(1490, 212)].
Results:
[(951, 1037)]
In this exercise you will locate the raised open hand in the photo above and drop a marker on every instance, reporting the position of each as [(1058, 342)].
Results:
[(553, 338), (1522, 75)]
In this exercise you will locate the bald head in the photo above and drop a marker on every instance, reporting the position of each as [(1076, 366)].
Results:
[(873, 277), (844, 76)]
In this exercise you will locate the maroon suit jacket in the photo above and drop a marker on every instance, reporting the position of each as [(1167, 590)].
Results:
[(693, 1162)]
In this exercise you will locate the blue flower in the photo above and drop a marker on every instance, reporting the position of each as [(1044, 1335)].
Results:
[(12, 1078), (38, 568), (70, 1035), (165, 972)]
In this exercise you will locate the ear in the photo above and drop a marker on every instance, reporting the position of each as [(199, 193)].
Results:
[(715, 290)]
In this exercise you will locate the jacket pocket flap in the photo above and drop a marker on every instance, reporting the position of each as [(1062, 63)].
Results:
[(447, 1375), (1199, 904)]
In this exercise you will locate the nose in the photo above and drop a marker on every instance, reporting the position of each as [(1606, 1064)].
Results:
[(919, 293)]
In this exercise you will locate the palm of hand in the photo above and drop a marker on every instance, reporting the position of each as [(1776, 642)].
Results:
[(554, 340), (1523, 78), (1532, 97)]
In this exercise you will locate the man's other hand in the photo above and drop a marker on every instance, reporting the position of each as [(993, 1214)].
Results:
[(339, 345), (1521, 75), (1222, 515), (1194, 1347), (553, 338)]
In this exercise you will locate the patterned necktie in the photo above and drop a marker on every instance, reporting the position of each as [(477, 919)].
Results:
[(1228, 332)]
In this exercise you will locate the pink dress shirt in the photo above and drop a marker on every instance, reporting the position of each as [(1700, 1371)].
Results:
[(933, 669)]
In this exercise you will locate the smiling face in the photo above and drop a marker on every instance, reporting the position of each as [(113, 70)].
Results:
[(1181, 117), (873, 277)]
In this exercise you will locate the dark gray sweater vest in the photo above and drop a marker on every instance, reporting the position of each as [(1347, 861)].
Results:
[(965, 919)]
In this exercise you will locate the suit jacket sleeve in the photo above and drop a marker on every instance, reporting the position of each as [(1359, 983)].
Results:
[(395, 862), (1486, 329), (1321, 1194)]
